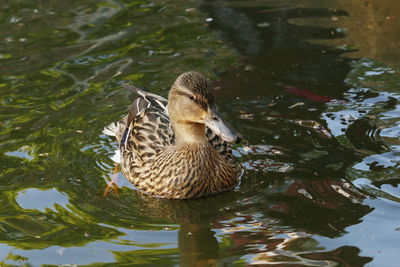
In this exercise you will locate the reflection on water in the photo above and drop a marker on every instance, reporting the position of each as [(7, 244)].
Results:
[(33, 198), (313, 86)]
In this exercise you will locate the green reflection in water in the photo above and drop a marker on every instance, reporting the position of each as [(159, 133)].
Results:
[(278, 65)]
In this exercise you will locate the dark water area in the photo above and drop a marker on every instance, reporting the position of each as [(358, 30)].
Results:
[(313, 87)]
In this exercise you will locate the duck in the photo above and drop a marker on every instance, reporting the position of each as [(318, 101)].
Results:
[(180, 148)]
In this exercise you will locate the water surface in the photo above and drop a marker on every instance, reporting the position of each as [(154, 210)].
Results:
[(313, 86)]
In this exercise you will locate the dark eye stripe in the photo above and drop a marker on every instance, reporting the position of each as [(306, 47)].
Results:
[(199, 102)]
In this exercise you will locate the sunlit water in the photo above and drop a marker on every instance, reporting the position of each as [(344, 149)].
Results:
[(313, 86)]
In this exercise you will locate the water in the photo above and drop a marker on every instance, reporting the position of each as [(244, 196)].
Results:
[(313, 86)]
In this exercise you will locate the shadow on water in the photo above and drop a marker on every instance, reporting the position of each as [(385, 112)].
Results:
[(321, 154)]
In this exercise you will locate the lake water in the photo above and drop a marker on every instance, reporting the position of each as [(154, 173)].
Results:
[(313, 87)]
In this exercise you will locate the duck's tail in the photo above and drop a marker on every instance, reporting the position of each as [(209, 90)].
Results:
[(111, 129)]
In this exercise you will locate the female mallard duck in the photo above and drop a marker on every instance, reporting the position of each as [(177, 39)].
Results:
[(178, 148)]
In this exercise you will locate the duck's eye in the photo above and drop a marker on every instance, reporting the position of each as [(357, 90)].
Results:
[(191, 97)]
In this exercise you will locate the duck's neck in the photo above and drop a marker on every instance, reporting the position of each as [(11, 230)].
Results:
[(189, 133)]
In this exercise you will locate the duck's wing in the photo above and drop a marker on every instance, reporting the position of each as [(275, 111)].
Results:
[(146, 129)]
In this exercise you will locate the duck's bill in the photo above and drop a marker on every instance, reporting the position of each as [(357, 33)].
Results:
[(220, 127)]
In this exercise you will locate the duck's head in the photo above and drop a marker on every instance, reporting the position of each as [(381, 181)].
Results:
[(191, 103)]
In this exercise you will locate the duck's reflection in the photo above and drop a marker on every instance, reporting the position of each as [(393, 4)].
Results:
[(198, 245), (273, 226)]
